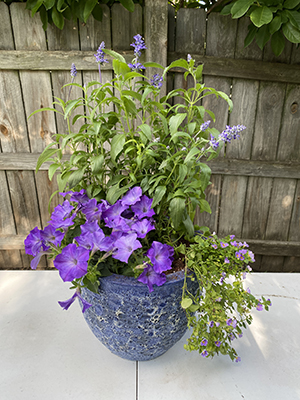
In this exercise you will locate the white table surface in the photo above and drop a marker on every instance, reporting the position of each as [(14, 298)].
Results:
[(47, 353)]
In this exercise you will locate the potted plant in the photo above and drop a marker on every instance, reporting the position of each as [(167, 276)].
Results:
[(124, 234)]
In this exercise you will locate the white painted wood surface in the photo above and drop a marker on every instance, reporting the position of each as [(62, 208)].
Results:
[(47, 353)]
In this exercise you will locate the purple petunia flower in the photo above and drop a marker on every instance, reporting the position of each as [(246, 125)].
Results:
[(161, 256), (156, 81), (93, 210), (114, 211), (142, 227), (61, 216), (52, 235), (143, 208), (150, 277), (72, 262), (90, 227), (66, 304), (33, 242), (125, 247), (132, 196)]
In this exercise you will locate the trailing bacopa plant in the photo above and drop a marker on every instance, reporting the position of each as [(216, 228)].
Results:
[(136, 175)]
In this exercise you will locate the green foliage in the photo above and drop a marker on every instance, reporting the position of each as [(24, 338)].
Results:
[(223, 305), (145, 141), (274, 20), (57, 11)]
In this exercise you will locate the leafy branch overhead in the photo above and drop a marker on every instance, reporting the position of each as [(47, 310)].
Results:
[(270, 19), (57, 11)]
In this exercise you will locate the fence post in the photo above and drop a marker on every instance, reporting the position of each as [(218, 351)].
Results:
[(156, 34)]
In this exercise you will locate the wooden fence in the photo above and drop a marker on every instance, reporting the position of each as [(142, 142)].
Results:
[(255, 191)]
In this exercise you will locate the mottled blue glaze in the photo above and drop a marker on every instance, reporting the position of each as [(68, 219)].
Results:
[(133, 323)]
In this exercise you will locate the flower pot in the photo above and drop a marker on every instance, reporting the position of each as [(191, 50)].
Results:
[(133, 323)]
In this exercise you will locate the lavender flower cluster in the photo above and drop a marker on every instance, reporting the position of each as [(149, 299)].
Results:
[(129, 220), (138, 46), (229, 133)]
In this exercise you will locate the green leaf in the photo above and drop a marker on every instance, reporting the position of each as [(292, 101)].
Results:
[(261, 16), (291, 33), (181, 63), (52, 170), (120, 67), (129, 105), (88, 8), (59, 6), (177, 208), (277, 43), (96, 163), (62, 181), (186, 302), (294, 18), (275, 24), (205, 175), (251, 35), (57, 18), (152, 64), (198, 72), (128, 4), (97, 13), (114, 193), (290, 4), (114, 55), (262, 36), (44, 17), (146, 131), (183, 170), (46, 154), (49, 4), (72, 104), (204, 206), (175, 122), (189, 226), (227, 9), (36, 7), (225, 97), (43, 109), (75, 178), (117, 145), (191, 154), (158, 195), (240, 8)]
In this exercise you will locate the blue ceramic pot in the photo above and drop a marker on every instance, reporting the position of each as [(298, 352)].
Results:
[(133, 323)]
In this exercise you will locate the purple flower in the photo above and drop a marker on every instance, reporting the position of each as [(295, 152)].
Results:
[(143, 208), (132, 196), (204, 353), (79, 197), (203, 342), (230, 133), (136, 66), (232, 237), (93, 210), (52, 235), (259, 306), (73, 71), (33, 242), (142, 227), (211, 324), (204, 126), (72, 262), (100, 54), (138, 45), (125, 247), (61, 216), (66, 304), (156, 81), (213, 142), (90, 227), (218, 343), (251, 255), (161, 256), (234, 243), (114, 211), (226, 261), (215, 246), (217, 324), (189, 58), (229, 321), (237, 359), (248, 290), (150, 278), (269, 302), (223, 245)]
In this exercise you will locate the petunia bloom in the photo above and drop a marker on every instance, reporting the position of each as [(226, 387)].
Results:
[(150, 278), (125, 247), (161, 256), (66, 304), (143, 208), (72, 262)]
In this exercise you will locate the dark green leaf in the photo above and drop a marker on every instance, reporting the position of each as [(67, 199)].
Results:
[(57, 18), (97, 12), (275, 24), (177, 208), (75, 178), (261, 16), (49, 4), (277, 43), (189, 226), (36, 7), (240, 8), (114, 193), (44, 17), (117, 145), (227, 9), (88, 8), (128, 4), (204, 206), (129, 105), (158, 195), (290, 4), (294, 18), (291, 33), (204, 175), (96, 163), (262, 36), (251, 35), (191, 154)]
